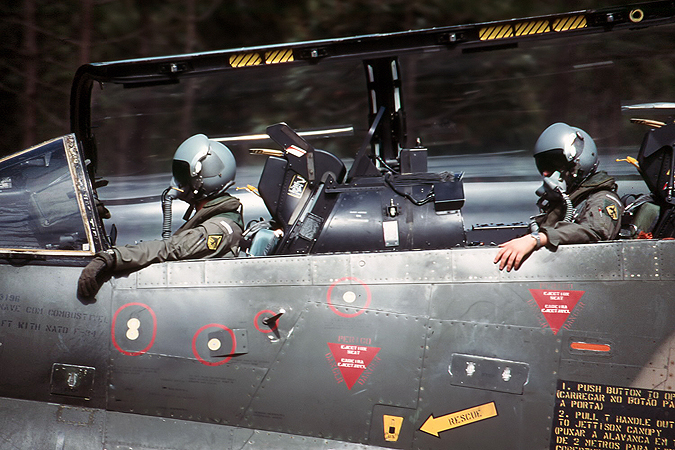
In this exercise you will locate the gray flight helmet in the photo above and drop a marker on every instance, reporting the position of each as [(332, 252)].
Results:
[(566, 149), (202, 169)]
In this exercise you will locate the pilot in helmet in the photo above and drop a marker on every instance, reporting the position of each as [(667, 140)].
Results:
[(578, 203), (202, 169)]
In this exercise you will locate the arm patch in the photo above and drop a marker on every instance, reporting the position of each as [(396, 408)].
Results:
[(611, 210), (213, 241)]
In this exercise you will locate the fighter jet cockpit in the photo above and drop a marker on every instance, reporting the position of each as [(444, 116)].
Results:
[(428, 141), (345, 151)]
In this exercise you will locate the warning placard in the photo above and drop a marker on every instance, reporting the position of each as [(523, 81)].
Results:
[(556, 305), (352, 360), (591, 416)]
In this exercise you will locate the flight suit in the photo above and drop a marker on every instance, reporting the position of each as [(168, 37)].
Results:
[(597, 216), (214, 231)]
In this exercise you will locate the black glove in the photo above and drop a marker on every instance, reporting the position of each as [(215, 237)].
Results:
[(97, 272), (103, 212)]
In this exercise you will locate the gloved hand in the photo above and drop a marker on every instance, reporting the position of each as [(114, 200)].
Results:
[(103, 212), (97, 272)]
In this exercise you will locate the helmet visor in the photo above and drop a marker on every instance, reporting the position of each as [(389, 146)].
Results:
[(551, 161), (181, 173)]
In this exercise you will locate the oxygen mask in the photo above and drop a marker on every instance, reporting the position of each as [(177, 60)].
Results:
[(553, 191), (554, 186)]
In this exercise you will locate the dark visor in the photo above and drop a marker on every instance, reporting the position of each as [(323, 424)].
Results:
[(551, 161), (181, 173)]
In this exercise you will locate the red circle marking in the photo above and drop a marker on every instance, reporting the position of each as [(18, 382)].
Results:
[(194, 344), (154, 329), (360, 311), (257, 316)]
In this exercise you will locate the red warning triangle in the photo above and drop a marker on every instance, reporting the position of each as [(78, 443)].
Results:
[(352, 360), (556, 305)]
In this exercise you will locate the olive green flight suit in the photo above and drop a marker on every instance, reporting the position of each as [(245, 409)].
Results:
[(214, 231), (597, 216)]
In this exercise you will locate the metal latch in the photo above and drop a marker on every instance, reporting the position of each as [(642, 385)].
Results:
[(74, 381), (488, 373)]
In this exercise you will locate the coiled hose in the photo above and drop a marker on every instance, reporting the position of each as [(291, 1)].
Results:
[(569, 208), (166, 213)]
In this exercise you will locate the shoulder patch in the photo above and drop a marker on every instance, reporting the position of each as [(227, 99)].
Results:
[(213, 241), (611, 210)]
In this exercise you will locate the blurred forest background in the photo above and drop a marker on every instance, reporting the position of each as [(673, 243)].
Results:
[(45, 41)]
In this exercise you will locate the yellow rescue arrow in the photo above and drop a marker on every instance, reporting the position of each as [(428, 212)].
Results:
[(436, 425)]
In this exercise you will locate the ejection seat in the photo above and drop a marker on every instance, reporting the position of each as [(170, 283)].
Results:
[(292, 187), (656, 164), (322, 209)]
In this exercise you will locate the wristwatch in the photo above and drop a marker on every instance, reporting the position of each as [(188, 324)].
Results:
[(535, 235)]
